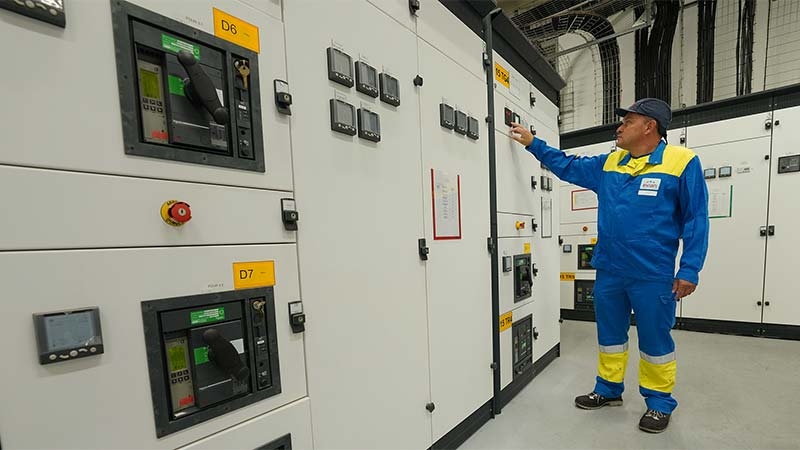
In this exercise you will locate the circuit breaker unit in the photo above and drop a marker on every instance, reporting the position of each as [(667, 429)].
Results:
[(209, 354), (585, 253), (522, 331), (523, 277), (584, 295), (186, 95)]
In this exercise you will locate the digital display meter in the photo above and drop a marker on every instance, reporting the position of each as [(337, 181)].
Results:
[(343, 117), (369, 125), (366, 79), (68, 334), (390, 89), (473, 128), (461, 123), (340, 67), (447, 116)]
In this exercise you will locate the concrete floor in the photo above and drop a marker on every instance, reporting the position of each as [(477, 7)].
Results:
[(733, 392)]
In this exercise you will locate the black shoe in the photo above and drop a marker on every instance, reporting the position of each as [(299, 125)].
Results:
[(654, 421), (595, 401)]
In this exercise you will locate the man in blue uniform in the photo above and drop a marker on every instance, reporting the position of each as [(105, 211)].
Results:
[(651, 195)]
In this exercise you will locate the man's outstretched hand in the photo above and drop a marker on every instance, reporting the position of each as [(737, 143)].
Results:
[(521, 134), (682, 288)]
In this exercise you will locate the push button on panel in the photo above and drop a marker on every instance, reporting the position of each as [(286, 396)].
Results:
[(176, 213)]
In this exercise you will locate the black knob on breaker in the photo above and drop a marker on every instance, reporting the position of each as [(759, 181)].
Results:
[(224, 355), (430, 407), (200, 89)]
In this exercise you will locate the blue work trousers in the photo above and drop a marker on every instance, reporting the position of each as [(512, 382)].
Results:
[(653, 305)]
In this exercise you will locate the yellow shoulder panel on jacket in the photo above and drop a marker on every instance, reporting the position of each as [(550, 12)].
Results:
[(613, 160), (674, 162)]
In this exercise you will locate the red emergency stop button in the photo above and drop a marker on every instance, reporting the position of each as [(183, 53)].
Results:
[(176, 213), (520, 225), (180, 212), (585, 228)]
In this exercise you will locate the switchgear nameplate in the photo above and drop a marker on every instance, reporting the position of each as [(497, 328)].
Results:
[(186, 95)]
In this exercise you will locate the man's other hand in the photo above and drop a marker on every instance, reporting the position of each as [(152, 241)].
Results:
[(682, 288), (521, 134)]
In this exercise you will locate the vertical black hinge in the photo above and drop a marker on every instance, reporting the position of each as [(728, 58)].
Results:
[(485, 60), (423, 249), (490, 245), (493, 366)]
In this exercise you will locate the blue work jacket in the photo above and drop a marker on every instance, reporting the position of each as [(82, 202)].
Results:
[(646, 205)]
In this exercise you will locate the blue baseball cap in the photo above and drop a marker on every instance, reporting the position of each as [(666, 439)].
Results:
[(653, 108)]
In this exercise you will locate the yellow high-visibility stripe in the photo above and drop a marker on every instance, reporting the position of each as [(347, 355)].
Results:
[(657, 377), (673, 162), (611, 366)]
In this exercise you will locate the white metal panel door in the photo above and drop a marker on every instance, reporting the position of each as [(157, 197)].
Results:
[(737, 208), (360, 206), (459, 306), (48, 406), (53, 114), (780, 283)]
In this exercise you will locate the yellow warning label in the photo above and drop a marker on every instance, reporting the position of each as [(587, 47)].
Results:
[(526, 247), (236, 30), (502, 75), (593, 241), (253, 274), (567, 276), (506, 320)]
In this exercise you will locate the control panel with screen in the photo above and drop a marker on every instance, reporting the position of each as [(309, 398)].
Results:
[(186, 95), (68, 334), (209, 354)]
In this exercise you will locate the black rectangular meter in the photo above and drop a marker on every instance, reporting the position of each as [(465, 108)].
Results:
[(186, 95), (210, 354), (447, 116), (473, 130), (50, 11), (369, 125), (390, 89), (461, 123), (366, 79), (68, 334), (340, 67), (343, 117)]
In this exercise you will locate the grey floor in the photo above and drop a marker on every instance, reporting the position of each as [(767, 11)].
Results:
[(733, 392)]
